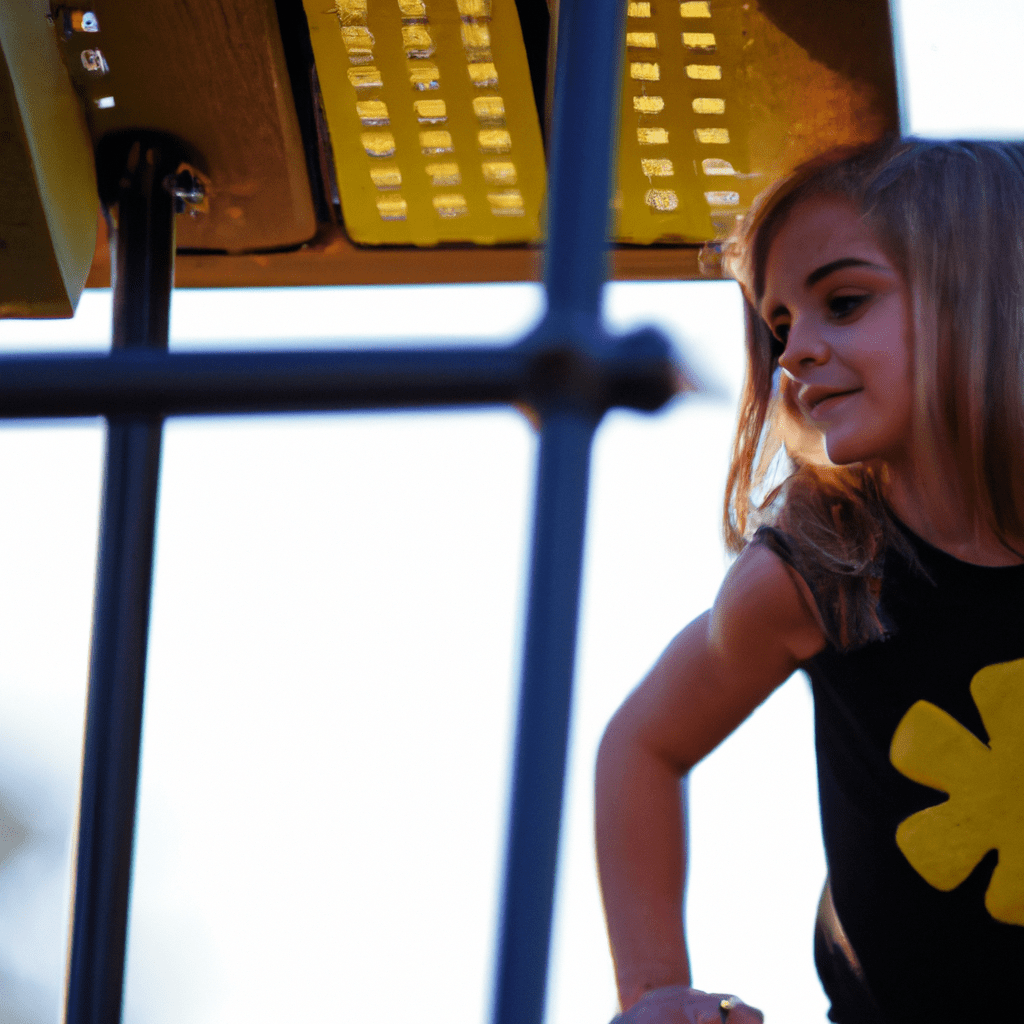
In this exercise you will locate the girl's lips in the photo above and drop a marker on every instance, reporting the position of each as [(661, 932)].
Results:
[(820, 405)]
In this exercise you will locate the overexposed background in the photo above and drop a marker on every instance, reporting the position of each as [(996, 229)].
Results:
[(334, 657)]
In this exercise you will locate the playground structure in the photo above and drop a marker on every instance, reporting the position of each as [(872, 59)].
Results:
[(272, 145)]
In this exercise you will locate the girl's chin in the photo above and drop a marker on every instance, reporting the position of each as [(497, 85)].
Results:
[(844, 452)]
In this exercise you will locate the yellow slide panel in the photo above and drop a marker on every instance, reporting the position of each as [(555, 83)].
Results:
[(432, 120)]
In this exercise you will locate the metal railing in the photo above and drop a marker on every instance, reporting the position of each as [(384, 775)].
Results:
[(570, 369)]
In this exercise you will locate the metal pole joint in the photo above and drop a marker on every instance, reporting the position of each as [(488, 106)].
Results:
[(600, 371)]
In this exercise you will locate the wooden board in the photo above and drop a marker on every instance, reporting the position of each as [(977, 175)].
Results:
[(331, 259), (213, 74)]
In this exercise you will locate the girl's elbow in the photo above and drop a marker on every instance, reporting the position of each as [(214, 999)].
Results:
[(625, 747)]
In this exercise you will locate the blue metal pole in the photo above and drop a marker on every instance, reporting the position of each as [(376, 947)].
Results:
[(635, 372), (143, 276), (590, 44), (544, 711), (583, 157)]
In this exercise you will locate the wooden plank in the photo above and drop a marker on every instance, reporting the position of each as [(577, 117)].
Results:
[(331, 259), (213, 74)]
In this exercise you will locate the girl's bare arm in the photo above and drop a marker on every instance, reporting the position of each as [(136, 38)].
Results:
[(713, 674)]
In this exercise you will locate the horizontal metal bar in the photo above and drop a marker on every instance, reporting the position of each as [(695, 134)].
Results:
[(637, 371)]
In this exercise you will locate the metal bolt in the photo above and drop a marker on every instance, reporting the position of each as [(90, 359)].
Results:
[(94, 61), (187, 190)]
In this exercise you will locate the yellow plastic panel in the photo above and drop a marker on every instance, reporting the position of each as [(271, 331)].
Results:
[(721, 97), (48, 200), (432, 120)]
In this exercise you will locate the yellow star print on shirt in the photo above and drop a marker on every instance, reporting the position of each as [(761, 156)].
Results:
[(985, 809)]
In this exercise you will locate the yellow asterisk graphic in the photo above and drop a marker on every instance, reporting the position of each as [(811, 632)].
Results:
[(985, 809)]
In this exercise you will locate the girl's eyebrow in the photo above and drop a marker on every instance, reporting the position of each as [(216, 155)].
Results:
[(823, 271), (829, 268)]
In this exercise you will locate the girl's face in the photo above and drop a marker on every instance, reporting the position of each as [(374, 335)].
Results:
[(838, 309)]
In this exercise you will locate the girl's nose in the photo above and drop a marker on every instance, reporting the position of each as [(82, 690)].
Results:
[(804, 347)]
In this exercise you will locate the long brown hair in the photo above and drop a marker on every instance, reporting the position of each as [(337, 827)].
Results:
[(950, 215)]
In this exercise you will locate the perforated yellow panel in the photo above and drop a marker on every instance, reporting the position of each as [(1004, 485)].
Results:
[(721, 97), (432, 121), (675, 135)]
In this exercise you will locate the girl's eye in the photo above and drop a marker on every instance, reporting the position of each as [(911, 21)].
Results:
[(843, 305)]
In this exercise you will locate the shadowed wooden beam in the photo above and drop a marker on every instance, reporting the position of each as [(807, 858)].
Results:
[(331, 259), (213, 74)]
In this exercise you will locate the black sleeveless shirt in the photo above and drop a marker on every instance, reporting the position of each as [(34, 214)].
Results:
[(928, 888)]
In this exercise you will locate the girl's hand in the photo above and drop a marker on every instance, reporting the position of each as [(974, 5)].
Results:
[(679, 1004)]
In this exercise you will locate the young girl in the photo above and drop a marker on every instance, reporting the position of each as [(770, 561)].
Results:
[(885, 311)]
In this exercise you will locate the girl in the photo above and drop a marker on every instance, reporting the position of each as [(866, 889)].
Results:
[(885, 312)]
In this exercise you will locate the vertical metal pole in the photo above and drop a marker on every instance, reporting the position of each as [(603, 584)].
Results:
[(583, 150), (544, 710), (142, 281), (590, 46)]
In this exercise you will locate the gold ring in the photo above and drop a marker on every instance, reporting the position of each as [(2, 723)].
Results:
[(725, 1006)]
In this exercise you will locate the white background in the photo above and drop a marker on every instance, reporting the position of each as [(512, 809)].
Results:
[(334, 651)]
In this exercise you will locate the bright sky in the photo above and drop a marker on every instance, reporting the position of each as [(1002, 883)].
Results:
[(334, 654)]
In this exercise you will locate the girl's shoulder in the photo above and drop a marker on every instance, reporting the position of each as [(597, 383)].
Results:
[(835, 534), (764, 604), (844, 599)]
